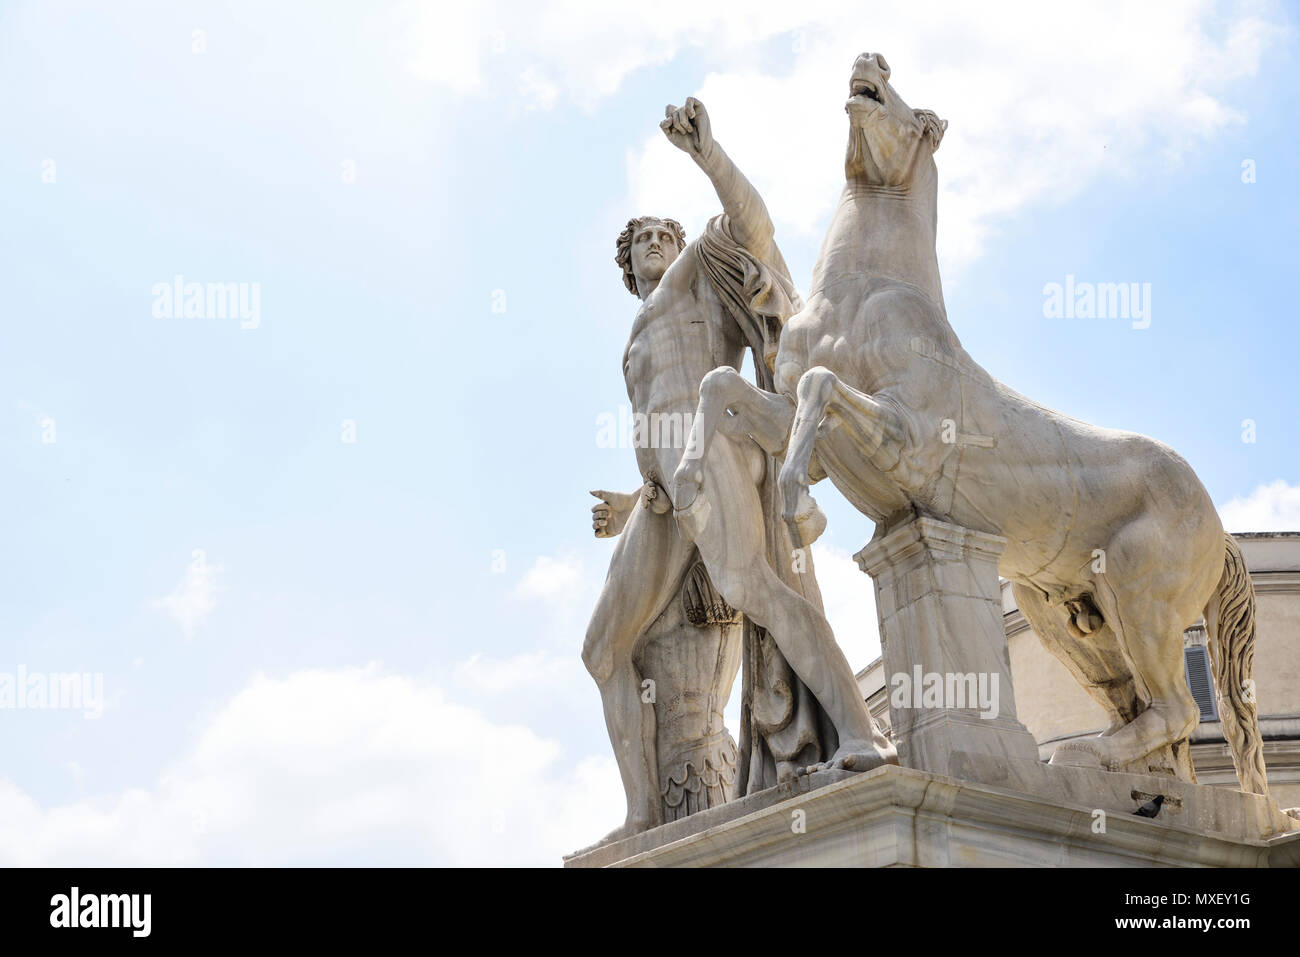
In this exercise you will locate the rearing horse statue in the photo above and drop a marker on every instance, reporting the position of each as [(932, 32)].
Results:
[(1113, 546)]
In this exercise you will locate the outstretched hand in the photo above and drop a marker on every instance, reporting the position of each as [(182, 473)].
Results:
[(687, 127), (611, 513)]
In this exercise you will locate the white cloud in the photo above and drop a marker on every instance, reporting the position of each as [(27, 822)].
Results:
[(530, 670), (194, 597), (582, 48), (444, 44), (564, 594), (1041, 100), (849, 597), (537, 90), (348, 766), (1274, 507), (554, 580)]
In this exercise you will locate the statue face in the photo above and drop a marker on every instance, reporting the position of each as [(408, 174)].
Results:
[(887, 139), (654, 247)]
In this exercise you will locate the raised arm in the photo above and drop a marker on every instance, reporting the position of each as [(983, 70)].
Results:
[(687, 127)]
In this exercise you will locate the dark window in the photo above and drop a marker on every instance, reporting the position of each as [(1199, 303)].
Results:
[(1199, 681)]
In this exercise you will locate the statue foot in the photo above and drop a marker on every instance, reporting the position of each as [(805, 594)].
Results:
[(856, 756), (1082, 754)]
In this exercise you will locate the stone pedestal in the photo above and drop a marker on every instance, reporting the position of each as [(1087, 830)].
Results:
[(898, 817), (944, 647), (972, 791)]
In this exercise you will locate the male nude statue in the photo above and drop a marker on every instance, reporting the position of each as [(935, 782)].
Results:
[(687, 326)]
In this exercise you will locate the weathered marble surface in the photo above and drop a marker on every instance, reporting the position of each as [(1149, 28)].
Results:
[(691, 654), (1112, 543), (900, 817), (940, 611), (615, 852), (703, 304)]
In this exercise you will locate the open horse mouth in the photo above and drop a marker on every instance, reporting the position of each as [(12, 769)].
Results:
[(860, 87)]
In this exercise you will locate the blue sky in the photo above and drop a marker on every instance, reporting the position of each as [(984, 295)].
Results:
[(321, 651)]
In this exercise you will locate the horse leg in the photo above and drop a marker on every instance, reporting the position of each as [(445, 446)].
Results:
[(1095, 660), (874, 427), (1139, 599), (763, 415)]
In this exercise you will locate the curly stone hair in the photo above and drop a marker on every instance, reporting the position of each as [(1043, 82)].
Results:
[(624, 257)]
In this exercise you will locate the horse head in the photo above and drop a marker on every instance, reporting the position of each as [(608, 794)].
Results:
[(891, 145)]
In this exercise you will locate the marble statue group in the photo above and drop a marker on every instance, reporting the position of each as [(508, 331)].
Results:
[(1112, 544)]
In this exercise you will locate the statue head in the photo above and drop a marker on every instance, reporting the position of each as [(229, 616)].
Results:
[(646, 248), (890, 143)]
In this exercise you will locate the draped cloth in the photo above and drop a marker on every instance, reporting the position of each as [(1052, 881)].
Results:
[(782, 725), (760, 296)]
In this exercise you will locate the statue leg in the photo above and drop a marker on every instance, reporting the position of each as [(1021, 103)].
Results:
[(1096, 660), (763, 415), (648, 563), (733, 546), (824, 402), (1138, 597)]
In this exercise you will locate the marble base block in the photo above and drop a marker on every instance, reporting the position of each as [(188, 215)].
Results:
[(900, 817), (944, 647)]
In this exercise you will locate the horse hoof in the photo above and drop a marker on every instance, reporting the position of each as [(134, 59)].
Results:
[(806, 522), (1078, 754)]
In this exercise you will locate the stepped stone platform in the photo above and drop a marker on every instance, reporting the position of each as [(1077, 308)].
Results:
[(1039, 816)]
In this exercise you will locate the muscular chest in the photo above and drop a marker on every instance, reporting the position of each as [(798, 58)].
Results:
[(674, 343)]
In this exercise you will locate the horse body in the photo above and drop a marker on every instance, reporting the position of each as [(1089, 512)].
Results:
[(1114, 546), (1000, 466)]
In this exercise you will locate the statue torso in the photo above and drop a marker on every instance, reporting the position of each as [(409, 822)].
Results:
[(681, 333)]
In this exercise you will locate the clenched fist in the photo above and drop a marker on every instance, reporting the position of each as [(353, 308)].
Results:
[(687, 127)]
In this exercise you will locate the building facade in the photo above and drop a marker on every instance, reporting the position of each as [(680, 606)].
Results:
[(1054, 708)]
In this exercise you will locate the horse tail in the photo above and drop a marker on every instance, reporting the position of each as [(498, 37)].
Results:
[(1230, 628)]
